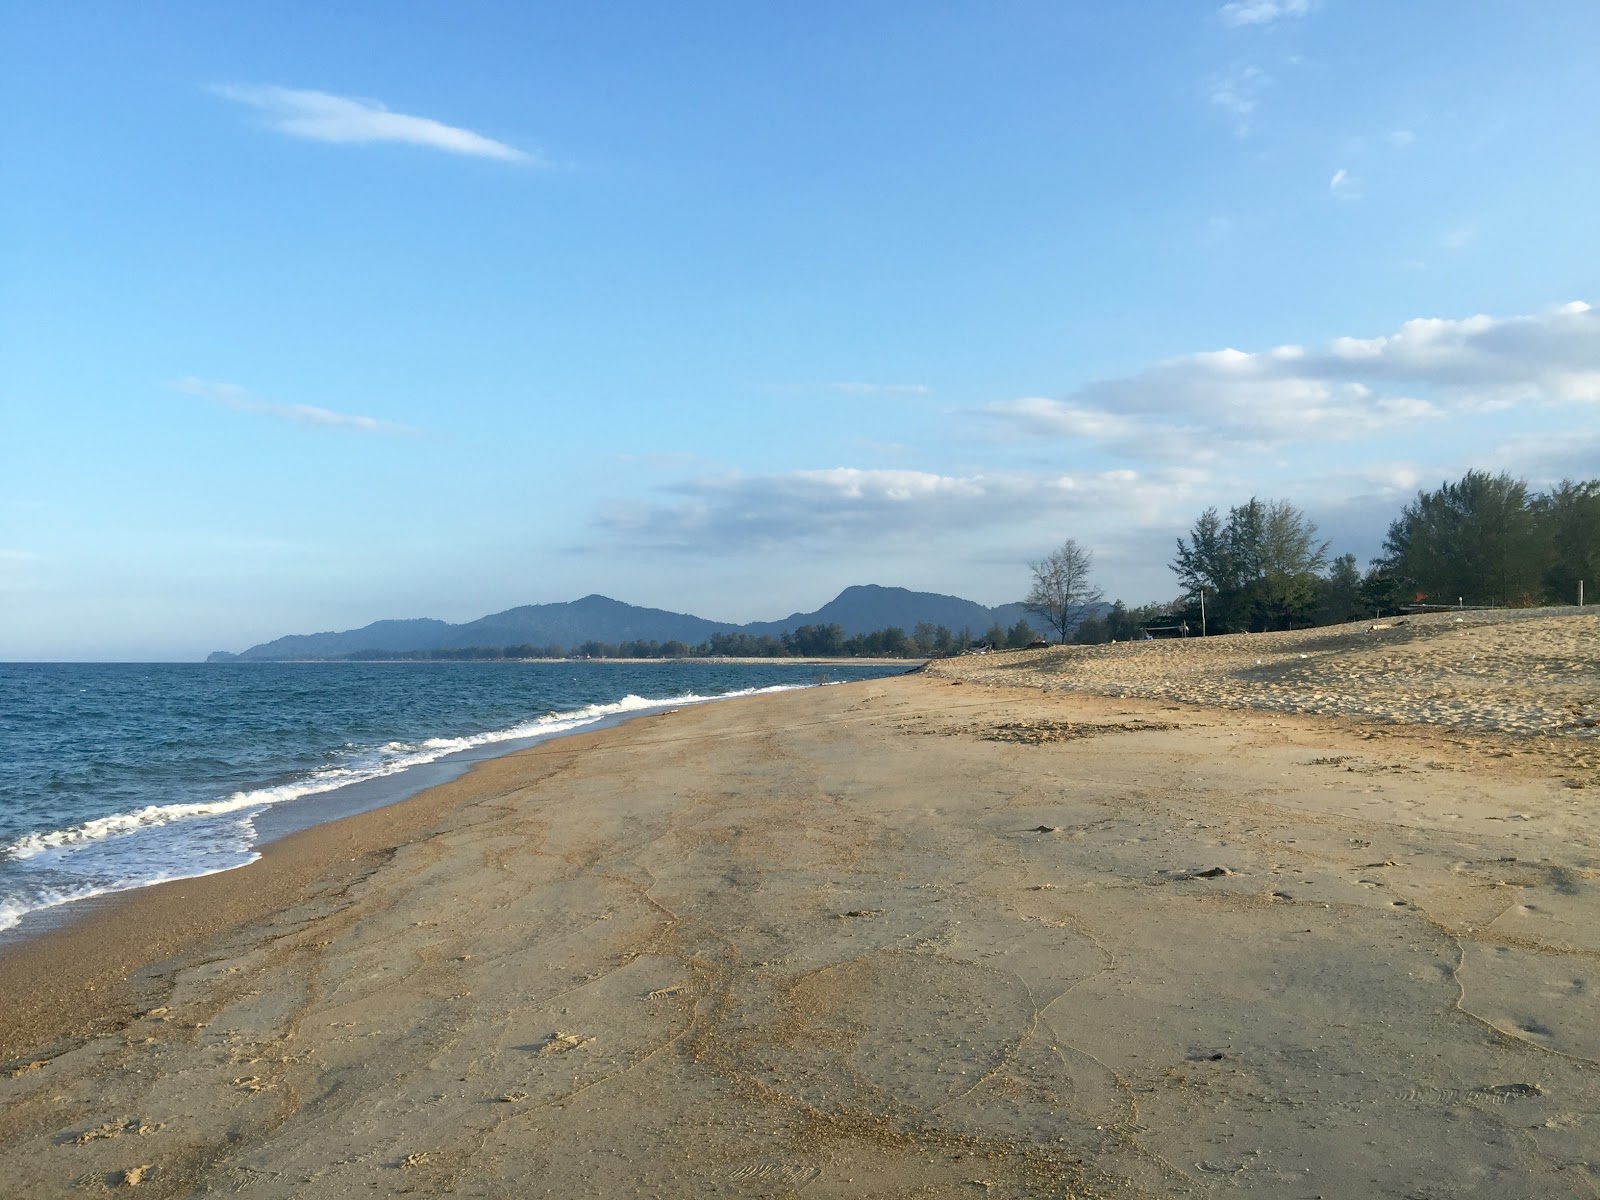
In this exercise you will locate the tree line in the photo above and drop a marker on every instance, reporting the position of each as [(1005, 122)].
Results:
[(808, 641), (1483, 540)]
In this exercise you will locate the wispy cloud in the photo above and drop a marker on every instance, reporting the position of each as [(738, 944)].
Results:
[(1262, 12), (881, 389), (1237, 95), (324, 117), (231, 395), (1345, 186), (1400, 139), (1218, 402)]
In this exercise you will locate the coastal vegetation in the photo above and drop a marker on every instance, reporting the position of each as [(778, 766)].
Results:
[(1487, 540), (1483, 541), (925, 640)]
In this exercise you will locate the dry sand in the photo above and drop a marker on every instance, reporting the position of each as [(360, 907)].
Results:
[(924, 936)]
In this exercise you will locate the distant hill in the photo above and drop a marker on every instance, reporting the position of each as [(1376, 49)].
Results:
[(866, 608), (423, 633), (860, 609), (592, 619)]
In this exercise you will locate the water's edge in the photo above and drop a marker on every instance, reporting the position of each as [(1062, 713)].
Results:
[(281, 820)]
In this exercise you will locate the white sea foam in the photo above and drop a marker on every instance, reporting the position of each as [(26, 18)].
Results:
[(14, 907), (160, 842)]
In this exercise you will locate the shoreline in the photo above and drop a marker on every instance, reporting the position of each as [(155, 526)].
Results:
[(716, 660), (277, 820), (916, 935), (76, 967)]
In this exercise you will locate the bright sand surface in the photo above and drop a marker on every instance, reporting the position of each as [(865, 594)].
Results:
[(984, 931)]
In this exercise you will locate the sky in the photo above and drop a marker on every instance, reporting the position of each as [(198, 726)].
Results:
[(314, 315)]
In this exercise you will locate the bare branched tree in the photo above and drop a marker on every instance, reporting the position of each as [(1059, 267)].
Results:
[(1061, 587)]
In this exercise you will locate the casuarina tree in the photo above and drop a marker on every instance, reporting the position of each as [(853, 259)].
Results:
[(1257, 569), (1062, 589)]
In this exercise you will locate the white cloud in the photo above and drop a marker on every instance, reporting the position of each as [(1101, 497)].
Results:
[(1401, 138), (231, 395), (1544, 459), (855, 509), (1390, 476), (1262, 12), (881, 389), (1204, 405), (324, 117), (1137, 436), (1344, 186)]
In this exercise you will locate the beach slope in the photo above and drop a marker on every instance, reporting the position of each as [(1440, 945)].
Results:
[(925, 936)]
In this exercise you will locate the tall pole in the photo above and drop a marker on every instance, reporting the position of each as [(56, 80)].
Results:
[(1203, 607)]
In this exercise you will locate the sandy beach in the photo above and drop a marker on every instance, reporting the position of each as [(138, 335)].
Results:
[(1287, 915)]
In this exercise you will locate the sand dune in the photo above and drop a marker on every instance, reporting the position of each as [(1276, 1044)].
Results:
[(1523, 671)]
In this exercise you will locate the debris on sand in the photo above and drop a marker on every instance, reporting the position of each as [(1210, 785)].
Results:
[(560, 1043), (1038, 733)]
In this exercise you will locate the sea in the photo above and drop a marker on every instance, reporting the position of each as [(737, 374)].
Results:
[(120, 775)]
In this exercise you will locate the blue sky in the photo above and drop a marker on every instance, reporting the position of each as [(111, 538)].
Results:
[(314, 315)]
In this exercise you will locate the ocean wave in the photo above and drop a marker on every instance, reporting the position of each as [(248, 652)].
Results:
[(15, 906), (375, 763)]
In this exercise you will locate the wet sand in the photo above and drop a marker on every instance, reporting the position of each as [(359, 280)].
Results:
[(922, 936)]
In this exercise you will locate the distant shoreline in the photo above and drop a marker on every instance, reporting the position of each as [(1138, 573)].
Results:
[(754, 660)]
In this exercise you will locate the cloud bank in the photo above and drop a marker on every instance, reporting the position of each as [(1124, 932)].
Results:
[(231, 395), (1204, 405), (736, 512), (1182, 434), (323, 117)]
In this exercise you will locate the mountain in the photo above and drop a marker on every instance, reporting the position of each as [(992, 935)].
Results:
[(592, 619), (866, 608), (422, 633), (860, 609)]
